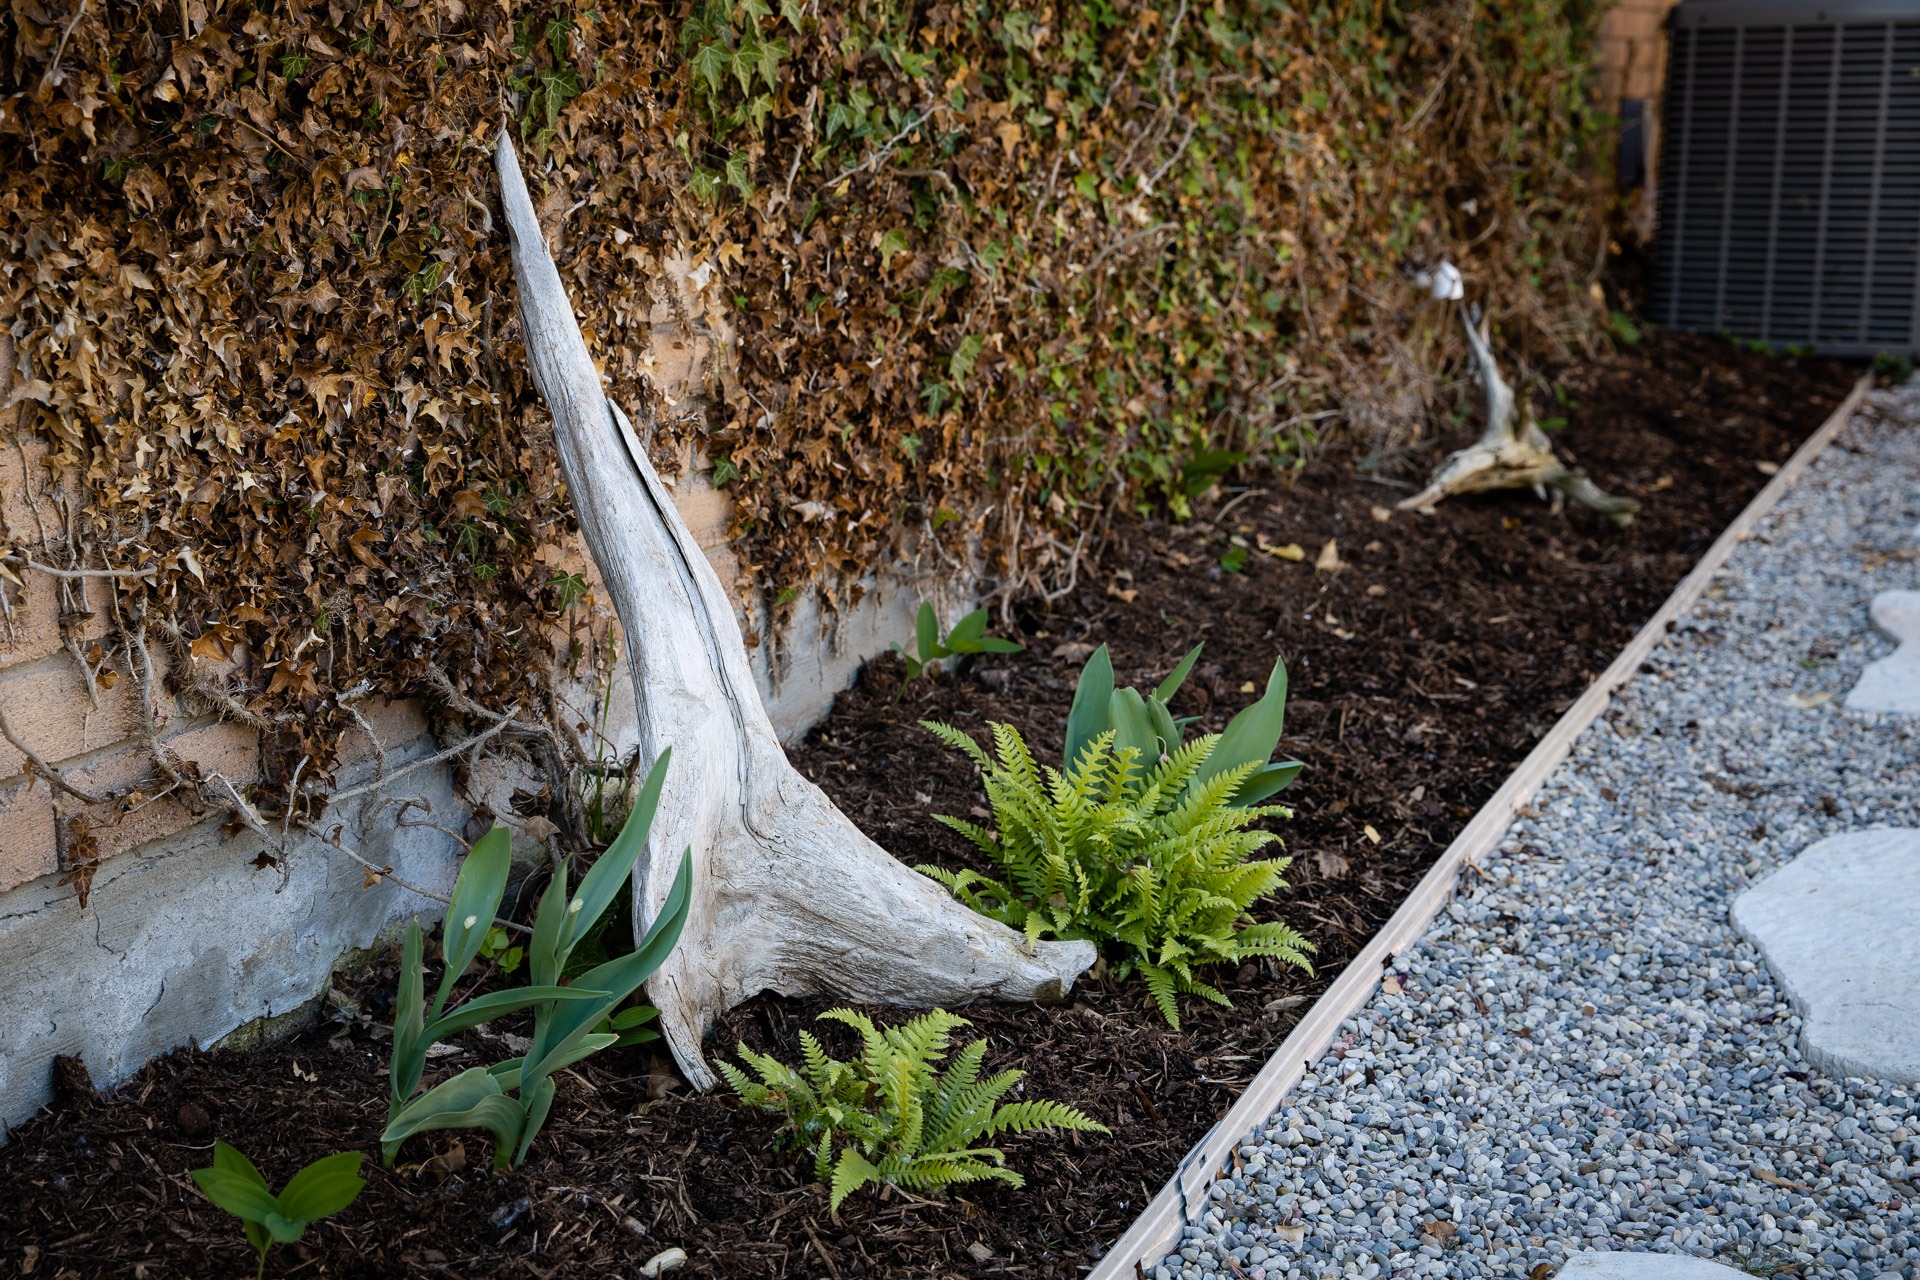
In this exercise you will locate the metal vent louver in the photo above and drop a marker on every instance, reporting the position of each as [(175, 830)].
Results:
[(1790, 174)]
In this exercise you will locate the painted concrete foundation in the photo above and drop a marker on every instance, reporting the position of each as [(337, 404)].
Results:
[(183, 941)]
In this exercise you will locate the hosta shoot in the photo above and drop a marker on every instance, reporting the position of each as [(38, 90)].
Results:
[(573, 1018)]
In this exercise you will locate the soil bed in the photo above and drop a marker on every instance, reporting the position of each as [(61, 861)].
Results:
[(1421, 674)]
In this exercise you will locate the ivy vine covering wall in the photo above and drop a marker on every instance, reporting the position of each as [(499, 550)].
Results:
[(984, 269)]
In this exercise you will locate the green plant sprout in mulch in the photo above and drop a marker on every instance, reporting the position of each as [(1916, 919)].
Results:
[(1144, 844), (318, 1191), (891, 1116), (969, 635)]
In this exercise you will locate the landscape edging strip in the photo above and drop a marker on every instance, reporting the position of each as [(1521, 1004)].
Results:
[(1157, 1229)]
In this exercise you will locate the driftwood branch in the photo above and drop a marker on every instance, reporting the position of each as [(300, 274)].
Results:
[(1513, 452), (788, 895)]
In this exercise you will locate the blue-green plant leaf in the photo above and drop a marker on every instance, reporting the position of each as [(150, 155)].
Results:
[(545, 959), (1133, 726), (474, 904), (471, 1100), (617, 978), (495, 1004), (537, 1102), (1267, 780), (615, 867), (409, 1052), (1252, 735), (1178, 676), (1089, 718)]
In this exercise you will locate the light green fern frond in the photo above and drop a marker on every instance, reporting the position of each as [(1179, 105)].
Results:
[(1160, 986), (1027, 1117), (959, 741), (1149, 859), (892, 1115), (850, 1173)]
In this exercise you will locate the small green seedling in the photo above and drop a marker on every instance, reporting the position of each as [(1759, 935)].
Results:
[(318, 1191), (969, 635)]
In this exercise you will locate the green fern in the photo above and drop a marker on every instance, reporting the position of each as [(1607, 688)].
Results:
[(1156, 866), (892, 1116)]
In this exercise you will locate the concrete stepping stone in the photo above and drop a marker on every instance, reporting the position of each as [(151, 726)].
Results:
[(1893, 683), (1840, 928), (1610, 1265)]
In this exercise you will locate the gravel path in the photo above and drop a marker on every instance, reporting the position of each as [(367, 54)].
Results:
[(1582, 1053)]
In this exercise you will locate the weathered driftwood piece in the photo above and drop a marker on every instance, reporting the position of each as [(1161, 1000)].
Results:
[(1512, 453), (788, 896)]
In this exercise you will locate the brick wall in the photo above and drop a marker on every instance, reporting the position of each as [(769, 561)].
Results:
[(1633, 64)]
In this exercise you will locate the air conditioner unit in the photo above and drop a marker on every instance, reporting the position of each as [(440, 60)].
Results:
[(1789, 198)]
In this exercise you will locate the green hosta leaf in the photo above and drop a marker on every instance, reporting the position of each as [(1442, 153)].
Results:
[(230, 1160), (323, 1188), (926, 630), (968, 632), (242, 1196)]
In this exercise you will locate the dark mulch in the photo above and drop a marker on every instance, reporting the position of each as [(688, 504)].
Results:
[(1421, 674)]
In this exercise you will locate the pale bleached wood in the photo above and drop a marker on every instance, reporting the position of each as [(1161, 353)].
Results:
[(1513, 452), (1157, 1229), (789, 895)]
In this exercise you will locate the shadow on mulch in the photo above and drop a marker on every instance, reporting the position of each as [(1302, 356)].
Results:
[(1421, 674)]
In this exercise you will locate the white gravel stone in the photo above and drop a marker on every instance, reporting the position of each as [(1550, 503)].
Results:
[(1893, 683), (1840, 928), (1585, 1055), (1610, 1265)]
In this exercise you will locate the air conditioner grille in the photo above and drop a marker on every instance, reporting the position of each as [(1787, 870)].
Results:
[(1790, 175)]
